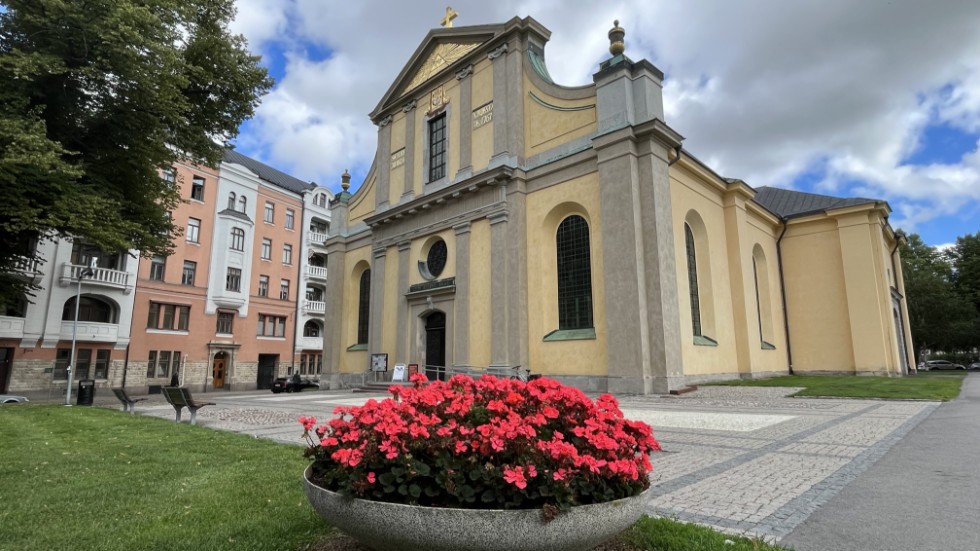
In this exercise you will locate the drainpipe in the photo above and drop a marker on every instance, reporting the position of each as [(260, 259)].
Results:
[(677, 155), (899, 237), (782, 292)]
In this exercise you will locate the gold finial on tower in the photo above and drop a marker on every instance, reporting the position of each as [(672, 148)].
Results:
[(616, 35), (345, 180), (450, 15)]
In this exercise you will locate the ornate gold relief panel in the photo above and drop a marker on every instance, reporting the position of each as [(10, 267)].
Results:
[(443, 55)]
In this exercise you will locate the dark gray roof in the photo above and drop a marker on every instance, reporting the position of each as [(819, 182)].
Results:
[(236, 214), (267, 173), (787, 203)]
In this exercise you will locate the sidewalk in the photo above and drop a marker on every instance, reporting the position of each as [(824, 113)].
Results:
[(923, 495)]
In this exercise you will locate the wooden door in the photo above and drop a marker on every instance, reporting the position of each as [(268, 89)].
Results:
[(218, 372)]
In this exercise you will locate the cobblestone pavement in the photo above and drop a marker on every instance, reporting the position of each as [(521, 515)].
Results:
[(740, 459)]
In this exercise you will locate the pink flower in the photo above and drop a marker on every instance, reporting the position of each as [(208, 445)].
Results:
[(515, 476), (371, 478)]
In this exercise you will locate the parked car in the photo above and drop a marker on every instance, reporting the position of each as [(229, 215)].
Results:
[(940, 364), (11, 399), (974, 365), (292, 384)]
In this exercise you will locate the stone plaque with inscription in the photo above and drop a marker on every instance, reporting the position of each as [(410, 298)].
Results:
[(482, 115)]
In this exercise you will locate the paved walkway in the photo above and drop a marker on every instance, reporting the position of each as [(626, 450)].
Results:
[(923, 495), (744, 460)]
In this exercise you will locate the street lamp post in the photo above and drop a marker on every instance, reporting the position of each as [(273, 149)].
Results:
[(87, 272)]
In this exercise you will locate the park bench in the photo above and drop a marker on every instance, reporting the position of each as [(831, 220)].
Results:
[(516, 372), (180, 398), (129, 404)]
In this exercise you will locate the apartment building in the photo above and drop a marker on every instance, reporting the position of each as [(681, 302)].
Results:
[(238, 303)]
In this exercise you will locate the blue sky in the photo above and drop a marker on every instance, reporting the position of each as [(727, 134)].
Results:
[(872, 99)]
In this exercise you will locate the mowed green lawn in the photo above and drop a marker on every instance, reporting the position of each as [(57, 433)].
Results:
[(931, 386), (80, 478)]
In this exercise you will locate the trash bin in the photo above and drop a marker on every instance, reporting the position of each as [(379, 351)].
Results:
[(86, 392)]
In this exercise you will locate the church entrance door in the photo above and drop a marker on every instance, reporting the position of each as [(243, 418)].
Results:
[(435, 346)]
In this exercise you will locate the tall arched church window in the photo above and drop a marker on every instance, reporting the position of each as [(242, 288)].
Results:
[(692, 280), (363, 307), (574, 274)]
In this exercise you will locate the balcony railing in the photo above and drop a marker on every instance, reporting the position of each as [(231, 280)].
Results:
[(314, 307), (27, 268), (317, 272), (101, 277), (13, 328), (91, 331), (316, 238), (311, 343)]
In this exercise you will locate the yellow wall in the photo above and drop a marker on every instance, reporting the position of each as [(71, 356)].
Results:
[(688, 193), (396, 182), (545, 211), (363, 203), (762, 234), (546, 128), (391, 297), (816, 298), (479, 329), (357, 361)]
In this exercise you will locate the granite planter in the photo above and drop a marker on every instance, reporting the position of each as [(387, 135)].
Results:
[(395, 527)]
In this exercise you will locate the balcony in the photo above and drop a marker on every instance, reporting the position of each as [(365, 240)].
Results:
[(316, 238), (316, 272), (311, 343), (28, 269), (101, 277), (314, 307), (13, 328), (90, 331)]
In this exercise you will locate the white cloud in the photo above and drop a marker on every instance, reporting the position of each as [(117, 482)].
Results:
[(762, 90)]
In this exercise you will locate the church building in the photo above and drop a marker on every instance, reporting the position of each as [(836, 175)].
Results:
[(511, 222)]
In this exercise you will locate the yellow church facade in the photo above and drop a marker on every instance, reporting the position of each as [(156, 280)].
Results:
[(508, 222)]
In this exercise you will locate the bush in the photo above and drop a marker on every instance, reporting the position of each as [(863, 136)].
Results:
[(483, 444)]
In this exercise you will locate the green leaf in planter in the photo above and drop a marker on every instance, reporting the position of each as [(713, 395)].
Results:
[(431, 491), (389, 489), (423, 469), (403, 489), (488, 496), (387, 479), (398, 471), (415, 490)]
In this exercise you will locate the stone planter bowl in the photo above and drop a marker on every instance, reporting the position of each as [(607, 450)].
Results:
[(395, 527)]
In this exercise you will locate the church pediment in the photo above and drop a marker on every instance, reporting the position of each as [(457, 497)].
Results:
[(440, 50)]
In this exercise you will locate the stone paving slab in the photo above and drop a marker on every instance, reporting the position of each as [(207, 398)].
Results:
[(744, 460)]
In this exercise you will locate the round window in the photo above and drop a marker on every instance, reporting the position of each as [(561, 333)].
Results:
[(436, 260)]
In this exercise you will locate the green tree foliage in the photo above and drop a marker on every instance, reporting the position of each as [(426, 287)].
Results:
[(941, 315), (97, 96)]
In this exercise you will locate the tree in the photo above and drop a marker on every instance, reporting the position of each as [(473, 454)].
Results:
[(965, 256), (940, 316), (96, 97)]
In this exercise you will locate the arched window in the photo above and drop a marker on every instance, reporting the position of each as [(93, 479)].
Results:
[(763, 297), (363, 307), (311, 329), (241, 203), (692, 279), (574, 274), (231, 201), (89, 309), (237, 239)]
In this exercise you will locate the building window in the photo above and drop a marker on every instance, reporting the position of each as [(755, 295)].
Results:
[(692, 280), (311, 329), (270, 213), (284, 289), (169, 176), (287, 254), (90, 309), (266, 249), (190, 270), (231, 201), (237, 239), (242, 204), (83, 367), (363, 307), (263, 285), (574, 274), (310, 363), (233, 280), (168, 317), (158, 265), (197, 188), (162, 364), (290, 219), (437, 148), (272, 326), (193, 230), (226, 323)]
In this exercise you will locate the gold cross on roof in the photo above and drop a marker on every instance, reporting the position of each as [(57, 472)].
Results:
[(450, 15)]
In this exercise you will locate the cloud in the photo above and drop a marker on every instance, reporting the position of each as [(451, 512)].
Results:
[(766, 91)]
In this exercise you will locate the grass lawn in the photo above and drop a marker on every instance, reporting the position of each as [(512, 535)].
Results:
[(97, 479), (925, 386)]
